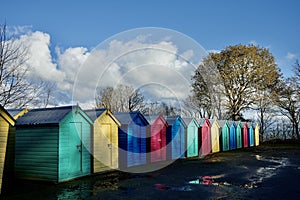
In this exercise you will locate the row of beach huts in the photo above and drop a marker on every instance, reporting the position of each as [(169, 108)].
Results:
[(63, 143)]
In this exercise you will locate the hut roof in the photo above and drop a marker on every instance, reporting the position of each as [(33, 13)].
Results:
[(95, 113), (188, 120), (201, 121), (45, 115), (151, 118), (223, 123), (6, 115), (128, 117), (171, 120), (14, 112)]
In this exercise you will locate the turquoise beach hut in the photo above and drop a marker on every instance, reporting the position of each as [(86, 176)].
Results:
[(224, 135), (53, 144), (191, 137)]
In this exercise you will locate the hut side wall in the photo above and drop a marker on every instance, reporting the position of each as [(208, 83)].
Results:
[(36, 153), (9, 165), (4, 128), (123, 146)]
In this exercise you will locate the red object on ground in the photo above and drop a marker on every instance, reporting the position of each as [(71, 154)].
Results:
[(161, 187), (207, 180)]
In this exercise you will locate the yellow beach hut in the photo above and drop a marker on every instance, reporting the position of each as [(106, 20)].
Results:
[(6, 121), (16, 113), (215, 136), (105, 140), (256, 135), (8, 171)]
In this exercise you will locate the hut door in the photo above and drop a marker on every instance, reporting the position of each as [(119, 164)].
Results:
[(157, 143), (160, 144), (177, 142), (106, 140), (193, 148), (75, 147)]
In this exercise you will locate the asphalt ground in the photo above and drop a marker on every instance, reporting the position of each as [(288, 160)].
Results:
[(263, 172)]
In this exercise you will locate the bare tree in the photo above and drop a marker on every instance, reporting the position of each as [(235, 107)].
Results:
[(16, 90), (104, 98), (288, 100), (266, 114), (122, 98), (208, 95), (297, 70), (136, 101), (44, 95)]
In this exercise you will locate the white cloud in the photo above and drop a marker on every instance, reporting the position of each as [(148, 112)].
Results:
[(214, 51), (290, 56), (253, 42), (138, 63), (69, 63), (18, 30), (39, 57), (161, 68)]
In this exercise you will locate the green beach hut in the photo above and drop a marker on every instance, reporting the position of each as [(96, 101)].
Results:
[(53, 144), (224, 126), (191, 132)]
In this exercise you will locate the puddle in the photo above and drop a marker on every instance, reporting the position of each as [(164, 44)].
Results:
[(185, 188), (266, 172), (209, 180), (271, 169)]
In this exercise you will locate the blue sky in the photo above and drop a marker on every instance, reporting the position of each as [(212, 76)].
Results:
[(214, 24), (68, 30)]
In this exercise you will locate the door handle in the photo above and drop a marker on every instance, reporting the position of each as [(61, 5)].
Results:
[(78, 146), (109, 145)]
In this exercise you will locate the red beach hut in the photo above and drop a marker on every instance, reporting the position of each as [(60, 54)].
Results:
[(156, 134), (204, 143), (245, 134)]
